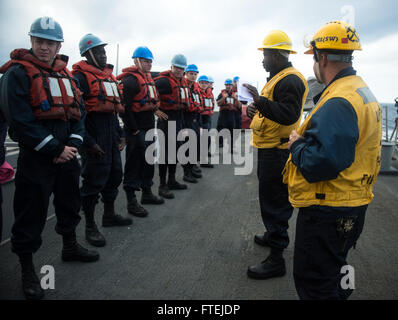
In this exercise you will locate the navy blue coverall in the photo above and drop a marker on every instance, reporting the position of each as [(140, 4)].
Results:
[(138, 173), (163, 87), (37, 177), (101, 175)]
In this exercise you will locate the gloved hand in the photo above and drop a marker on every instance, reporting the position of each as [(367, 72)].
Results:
[(95, 151)]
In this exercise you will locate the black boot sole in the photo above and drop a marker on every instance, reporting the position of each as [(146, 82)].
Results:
[(98, 244), (139, 215), (35, 297), (259, 276), (70, 258), (190, 180), (117, 224), (166, 196), (171, 187), (152, 202)]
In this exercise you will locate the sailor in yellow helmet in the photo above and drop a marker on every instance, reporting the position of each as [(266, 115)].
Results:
[(334, 163), (275, 114)]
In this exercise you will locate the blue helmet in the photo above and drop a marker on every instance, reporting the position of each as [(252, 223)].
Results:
[(46, 28), (236, 79), (192, 68), (228, 81), (88, 42), (203, 78), (179, 61), (211, 80), (143, 52)]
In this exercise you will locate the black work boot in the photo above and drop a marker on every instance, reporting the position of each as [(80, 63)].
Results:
[(72, 251), (93, 236), (195, 173), (133, 206), (196, 169), (30, 281), (111, 219), (164, 192), (148, 197), (188, 177), (273, 266), (174, 185), (261, 239)]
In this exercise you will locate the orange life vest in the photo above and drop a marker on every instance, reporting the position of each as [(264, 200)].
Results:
[(148, 98), (104, 93), (229, 103), (179, 97), (53, 91), (208, 102), (195, 98)]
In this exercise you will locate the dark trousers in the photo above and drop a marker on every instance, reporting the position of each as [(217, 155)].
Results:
[(138, 173), (324, 235), (273, 193), (206, 125), (177, 117), (192, 121), (226, 120), (36, 179), (102, 175), (238, 119)]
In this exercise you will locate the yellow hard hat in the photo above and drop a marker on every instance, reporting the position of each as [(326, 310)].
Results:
[(336, 35), (277, 39)]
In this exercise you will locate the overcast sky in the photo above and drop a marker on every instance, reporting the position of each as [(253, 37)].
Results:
[(220, 37)]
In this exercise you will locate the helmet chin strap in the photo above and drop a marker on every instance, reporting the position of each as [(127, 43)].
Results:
[(94, 60), (139, 64)]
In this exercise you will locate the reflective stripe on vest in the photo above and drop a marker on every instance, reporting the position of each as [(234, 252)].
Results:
[(110, 89), (208, 103), (184, 93), (152, 91), (353, 186), (196, 97), (267, 133), (230, 100)]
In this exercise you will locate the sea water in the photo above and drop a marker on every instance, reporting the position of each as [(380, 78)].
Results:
[(389, 115)]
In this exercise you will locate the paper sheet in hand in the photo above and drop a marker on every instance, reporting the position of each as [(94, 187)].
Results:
[(243, 93)]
